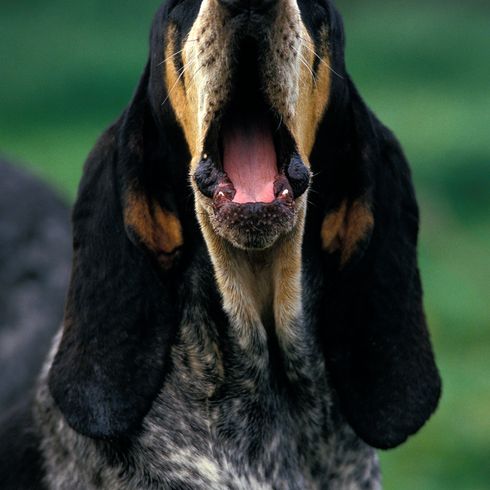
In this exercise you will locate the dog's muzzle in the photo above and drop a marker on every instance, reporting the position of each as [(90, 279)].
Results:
[(253, 175), (251, 169)]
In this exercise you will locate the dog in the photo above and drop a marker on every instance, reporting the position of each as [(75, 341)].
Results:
[(35, 257), (245, 307)]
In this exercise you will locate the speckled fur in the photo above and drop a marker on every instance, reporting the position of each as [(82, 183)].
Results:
[(224, 419)]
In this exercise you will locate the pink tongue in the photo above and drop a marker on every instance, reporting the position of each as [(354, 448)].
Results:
[(249, 159)]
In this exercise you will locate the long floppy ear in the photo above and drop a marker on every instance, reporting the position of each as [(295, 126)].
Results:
[(373, 327), (120, 314)]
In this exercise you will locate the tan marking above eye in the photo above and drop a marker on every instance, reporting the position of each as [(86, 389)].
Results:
[(345, 228), (168, 230), (158, 229)]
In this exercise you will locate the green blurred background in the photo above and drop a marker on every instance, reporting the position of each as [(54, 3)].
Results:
[(67, 70)]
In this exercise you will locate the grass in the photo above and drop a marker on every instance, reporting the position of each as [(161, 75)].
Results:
[(67, 72)]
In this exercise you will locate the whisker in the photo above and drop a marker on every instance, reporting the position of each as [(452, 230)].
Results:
[(170, 57), (303, 61), (307, 46), (298, 73), (280, 122), (195, 72), (178, 52), (182, 71), (313, 191)]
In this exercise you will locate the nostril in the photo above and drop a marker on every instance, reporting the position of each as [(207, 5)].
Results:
[(239, 6)]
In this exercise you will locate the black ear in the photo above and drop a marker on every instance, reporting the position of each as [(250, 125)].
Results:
[(120, 315), (373, 328)]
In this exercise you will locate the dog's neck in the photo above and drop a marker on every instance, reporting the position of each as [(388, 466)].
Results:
[(261, 290)]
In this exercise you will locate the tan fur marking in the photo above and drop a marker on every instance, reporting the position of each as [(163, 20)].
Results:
[(159, 230), (201, 88), (183, 104), (168, 230), (314, 94), (344, 228)]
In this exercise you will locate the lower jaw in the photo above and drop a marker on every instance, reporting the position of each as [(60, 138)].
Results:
[(253, 226)]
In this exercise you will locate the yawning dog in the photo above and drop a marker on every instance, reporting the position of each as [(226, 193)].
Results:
[(245, 308)]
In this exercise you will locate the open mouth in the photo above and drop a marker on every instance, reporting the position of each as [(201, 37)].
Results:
[(251, 169)]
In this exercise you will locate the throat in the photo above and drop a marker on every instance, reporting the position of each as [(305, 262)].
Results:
[(261, 290), (261, 294)]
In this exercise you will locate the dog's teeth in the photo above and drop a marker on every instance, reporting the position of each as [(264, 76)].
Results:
[(221, 194), (205, 156), (285, 193)]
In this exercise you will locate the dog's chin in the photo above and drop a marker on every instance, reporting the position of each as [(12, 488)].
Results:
[(253, 226)]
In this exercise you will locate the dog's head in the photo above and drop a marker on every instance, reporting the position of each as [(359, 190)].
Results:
[(249, 84), (243, 101)]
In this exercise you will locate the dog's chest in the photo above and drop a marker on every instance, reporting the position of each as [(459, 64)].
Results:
[(223, 420), (236, 422)]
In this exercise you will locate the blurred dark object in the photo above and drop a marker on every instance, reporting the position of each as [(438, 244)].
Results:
[(35, 258)]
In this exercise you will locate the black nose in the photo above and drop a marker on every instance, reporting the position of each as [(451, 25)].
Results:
[(240, 6)]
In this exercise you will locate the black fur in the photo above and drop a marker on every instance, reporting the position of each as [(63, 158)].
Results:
[(110, 364), (372, 322)]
